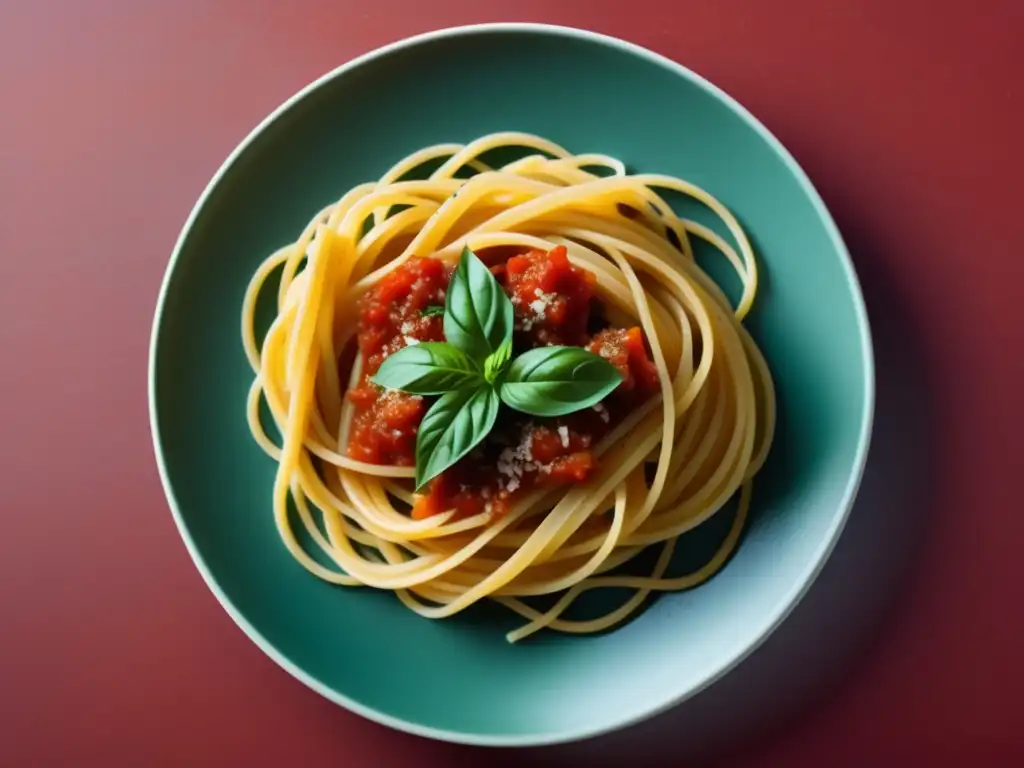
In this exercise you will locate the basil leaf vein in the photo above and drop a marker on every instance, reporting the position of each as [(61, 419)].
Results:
[(451, 428), (428, 368), (554, 381), (478, 315)]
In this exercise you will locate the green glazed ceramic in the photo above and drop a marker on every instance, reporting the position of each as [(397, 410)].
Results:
[(458, 679)]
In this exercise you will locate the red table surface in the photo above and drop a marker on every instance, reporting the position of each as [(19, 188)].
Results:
[(909, 117)]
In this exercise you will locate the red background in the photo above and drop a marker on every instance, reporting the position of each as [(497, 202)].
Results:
[(909, 116)]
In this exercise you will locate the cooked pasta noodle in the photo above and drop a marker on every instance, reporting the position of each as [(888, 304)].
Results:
[(663, 469)]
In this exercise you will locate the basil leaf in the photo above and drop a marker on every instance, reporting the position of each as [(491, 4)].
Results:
[(428, 368), (478, 314), (554, 381), (449, 430), (496, 363), (434, 310)]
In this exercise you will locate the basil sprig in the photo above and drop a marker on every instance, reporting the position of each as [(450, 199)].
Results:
[(473, 372)]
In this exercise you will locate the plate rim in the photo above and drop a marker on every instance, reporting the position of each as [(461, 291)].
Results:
[(785, 605)]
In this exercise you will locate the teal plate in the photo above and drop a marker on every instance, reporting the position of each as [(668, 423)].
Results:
[(458, 679)]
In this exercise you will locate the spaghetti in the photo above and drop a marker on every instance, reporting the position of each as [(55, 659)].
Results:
[(662, 467)]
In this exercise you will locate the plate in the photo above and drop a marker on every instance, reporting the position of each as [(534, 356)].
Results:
[(458, 679)]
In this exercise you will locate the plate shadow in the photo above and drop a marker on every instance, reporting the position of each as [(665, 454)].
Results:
[(812, 654), (818, 647)]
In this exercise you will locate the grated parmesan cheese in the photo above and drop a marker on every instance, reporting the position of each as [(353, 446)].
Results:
[(514, 461), (411, 342), (563, 434), (538, 307)]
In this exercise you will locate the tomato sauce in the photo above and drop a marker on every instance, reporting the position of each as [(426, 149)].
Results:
[(390, 318), (551, 298), (554, 305)]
